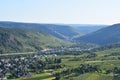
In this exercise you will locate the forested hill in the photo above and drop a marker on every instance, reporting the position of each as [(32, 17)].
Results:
[(59, 31), (108, 35), (25, 40)]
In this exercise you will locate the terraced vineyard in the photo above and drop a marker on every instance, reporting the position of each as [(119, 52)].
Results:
[(106, 61)]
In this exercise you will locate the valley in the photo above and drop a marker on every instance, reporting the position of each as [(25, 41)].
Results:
[(59, 40), (31, 51)]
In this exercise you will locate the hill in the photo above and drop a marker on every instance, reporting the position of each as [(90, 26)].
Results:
[(87, 28), (26, 40), (103, 36), (60, 31)]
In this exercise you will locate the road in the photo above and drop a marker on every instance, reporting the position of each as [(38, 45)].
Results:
[(7, 54), (47, 51)]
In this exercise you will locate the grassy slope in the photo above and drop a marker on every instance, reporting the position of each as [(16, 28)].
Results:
[(18, 40), (42, 39), (103, 36), (94, 76), (36, 77)]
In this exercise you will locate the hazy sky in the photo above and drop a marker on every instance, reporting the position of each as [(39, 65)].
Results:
[(61, 11)]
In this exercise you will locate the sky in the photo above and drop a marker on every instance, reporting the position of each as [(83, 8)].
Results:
[(61, 11)]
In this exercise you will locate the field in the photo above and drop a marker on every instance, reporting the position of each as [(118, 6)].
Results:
[(42, 76), (105, 60)]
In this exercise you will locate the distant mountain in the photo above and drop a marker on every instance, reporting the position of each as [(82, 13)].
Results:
[(103, 36), (59, 31), (26, 40), (87, 28)]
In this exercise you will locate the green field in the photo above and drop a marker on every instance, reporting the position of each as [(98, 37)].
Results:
[(36, 77), (104, 62)]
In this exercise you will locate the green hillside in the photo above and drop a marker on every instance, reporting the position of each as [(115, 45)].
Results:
[(65, 32), (24, 40), (103, 36)]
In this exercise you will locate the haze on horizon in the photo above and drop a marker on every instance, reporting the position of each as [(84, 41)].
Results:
[(61, 11)]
